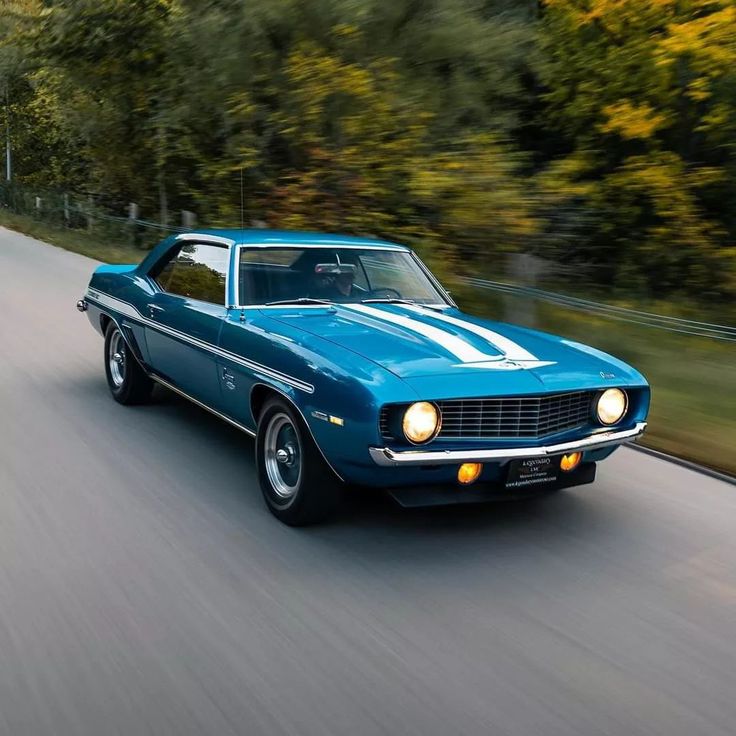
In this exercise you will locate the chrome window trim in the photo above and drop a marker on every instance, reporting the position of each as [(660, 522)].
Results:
[(386, 457), (211, 239), (437, 285), (130, 311), (326, 244), (327, 305)]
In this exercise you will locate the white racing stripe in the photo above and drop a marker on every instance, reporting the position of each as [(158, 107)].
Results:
[(513, 356), (512, 350), (461, 349), (506, 346)]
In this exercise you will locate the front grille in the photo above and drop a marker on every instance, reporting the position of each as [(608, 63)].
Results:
[(507, 417)]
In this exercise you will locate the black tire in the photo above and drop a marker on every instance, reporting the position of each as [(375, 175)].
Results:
[(126, 379), (301, 489)]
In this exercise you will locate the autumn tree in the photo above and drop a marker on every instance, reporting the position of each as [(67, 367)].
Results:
[(640, 95)]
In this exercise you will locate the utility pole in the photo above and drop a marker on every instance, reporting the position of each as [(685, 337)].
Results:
[(8, 160)]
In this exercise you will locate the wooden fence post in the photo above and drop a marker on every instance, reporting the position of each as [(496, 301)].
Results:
[(524, 269), (133, 213), (188, 220)]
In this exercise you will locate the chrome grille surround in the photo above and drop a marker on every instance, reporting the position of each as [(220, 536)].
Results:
[(502, 417)]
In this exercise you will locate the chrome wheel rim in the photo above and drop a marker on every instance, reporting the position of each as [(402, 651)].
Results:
[(117, 359), (283, 451)]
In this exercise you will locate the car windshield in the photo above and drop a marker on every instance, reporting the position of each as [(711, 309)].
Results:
[(308, 275)]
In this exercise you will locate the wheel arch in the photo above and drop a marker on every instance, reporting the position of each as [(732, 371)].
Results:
[(261, 392), (105, 320)]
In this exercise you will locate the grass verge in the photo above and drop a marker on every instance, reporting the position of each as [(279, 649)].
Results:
[(103, 243)]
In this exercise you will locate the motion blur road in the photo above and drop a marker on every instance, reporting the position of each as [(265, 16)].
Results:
[(145, 589)]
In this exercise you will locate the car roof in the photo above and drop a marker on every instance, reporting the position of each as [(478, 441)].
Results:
[(261, 236)]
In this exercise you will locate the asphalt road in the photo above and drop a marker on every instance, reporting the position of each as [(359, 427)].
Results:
[(145, 589)]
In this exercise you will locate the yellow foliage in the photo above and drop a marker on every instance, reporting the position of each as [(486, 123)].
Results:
[(630, 120)]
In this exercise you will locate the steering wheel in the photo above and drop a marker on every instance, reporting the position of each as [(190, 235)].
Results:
[(384, 292)]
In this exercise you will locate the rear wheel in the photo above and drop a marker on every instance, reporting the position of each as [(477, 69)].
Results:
[(298, 486), (126, 379)]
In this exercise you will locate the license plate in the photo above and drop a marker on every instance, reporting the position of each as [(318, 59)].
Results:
[(532, 471)]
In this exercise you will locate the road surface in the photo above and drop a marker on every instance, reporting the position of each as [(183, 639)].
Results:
[(145, 589)]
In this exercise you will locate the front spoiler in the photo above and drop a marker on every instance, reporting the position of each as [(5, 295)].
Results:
[(387, 457)]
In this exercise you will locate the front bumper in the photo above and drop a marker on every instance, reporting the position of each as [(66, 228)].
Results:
[(387, 457), (450, 494)]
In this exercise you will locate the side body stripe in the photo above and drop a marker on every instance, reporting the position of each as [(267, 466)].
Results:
[(106, 300)]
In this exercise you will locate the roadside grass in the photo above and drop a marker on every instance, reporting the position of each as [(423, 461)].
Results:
[(693, 380), (104, 243), (693, 412)]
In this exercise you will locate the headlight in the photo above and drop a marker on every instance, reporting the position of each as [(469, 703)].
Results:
[(612, 404), (421, 422)]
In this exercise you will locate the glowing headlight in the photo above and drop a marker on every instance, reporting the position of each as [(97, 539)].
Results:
[(421, 422), (611, 405)]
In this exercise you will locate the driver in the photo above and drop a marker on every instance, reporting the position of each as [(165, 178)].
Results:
[(336, 281), (344, 284)]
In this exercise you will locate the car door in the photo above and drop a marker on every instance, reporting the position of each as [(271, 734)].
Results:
[(185, 316)]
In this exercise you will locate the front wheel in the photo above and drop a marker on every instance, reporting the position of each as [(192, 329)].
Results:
[(298, 486), (127, 380)]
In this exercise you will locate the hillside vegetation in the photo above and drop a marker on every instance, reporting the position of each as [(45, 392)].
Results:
[(600, 134)]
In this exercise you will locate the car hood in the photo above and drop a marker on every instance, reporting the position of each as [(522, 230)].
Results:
[(420, 344)]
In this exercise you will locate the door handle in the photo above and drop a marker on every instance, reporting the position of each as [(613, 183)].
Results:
[(153, 308)]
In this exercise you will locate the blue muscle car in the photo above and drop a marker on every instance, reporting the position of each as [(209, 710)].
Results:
[(350, 364)]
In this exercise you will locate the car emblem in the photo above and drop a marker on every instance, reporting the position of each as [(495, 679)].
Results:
[(607, 375)]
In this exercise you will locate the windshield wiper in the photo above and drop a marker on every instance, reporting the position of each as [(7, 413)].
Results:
[(387, 300), (300, 300)]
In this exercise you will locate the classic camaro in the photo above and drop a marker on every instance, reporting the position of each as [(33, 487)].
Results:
[(350, 364)]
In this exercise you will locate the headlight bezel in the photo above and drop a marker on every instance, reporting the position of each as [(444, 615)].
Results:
[(437, 428), (597, 402)]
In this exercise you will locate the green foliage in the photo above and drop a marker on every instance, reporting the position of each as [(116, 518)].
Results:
[(598, 133), (643, 94)]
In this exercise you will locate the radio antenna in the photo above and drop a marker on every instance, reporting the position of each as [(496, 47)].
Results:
[(242, 202)]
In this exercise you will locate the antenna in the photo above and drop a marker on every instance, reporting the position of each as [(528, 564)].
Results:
[(242, 202)]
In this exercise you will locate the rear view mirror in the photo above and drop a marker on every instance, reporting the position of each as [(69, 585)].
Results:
[(334, 269)]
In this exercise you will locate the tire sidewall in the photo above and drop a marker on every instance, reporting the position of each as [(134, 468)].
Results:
[(275, 502), (318, 490), (118, 392)]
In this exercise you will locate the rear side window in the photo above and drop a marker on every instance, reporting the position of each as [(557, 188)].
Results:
[(196, 271)]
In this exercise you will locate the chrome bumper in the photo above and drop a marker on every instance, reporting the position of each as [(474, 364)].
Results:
[(391, 458)]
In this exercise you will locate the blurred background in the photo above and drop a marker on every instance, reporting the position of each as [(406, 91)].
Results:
[(566, 164)]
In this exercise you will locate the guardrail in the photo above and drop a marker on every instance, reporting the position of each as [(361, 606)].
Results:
[(646, 319)]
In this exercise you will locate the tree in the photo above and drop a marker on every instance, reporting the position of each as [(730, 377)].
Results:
[(640, 93)]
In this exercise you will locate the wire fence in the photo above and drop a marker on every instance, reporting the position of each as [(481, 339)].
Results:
[(623, 314), (77, 211), (93, 213)]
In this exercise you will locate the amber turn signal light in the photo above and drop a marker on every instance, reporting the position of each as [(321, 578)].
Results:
[(571, 461), (469, 473)]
